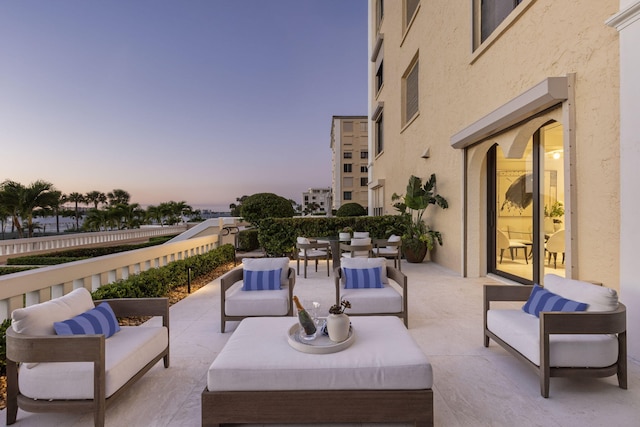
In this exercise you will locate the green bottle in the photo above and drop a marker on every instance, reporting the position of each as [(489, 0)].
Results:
[(306, 321)]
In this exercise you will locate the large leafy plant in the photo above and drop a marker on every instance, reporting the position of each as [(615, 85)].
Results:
[(413, 204)]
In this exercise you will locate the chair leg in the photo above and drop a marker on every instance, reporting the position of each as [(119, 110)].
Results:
[(501, 253)]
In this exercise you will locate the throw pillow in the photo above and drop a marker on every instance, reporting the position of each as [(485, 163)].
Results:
[(366, 263), (363, 278), (99, 320), (266, 264), (543, 300), (268, 280)]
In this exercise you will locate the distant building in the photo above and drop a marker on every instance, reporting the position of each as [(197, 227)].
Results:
[(316, 200), (350, 160)]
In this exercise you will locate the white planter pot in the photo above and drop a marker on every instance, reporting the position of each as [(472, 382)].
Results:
[(344, 236), (338, 327)]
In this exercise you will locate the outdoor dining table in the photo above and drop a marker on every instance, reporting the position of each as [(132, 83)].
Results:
[(334, 242)]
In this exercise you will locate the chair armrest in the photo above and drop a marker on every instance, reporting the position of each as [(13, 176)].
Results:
[(230, 278), (129, 307), (397, 276), (55, 348), (505, 293), (584, 322)]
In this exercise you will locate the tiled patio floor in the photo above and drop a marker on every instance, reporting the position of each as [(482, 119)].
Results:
[(473, 386)]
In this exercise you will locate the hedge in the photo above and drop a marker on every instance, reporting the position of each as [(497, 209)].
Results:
[(278, 235)]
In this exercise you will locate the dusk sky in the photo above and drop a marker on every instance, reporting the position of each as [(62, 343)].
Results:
[(201, 101)]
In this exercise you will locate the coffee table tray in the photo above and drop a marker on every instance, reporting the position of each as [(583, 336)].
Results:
[(320, 345)]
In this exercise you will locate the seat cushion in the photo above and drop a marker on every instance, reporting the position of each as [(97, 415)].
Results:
[(263, 303), (599, 298), (522, 332), (38, 319), (375, 300), (382, 356), (311, 253), (126, 353)]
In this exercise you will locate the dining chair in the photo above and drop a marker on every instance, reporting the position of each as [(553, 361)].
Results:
[(308, 250), (390, 249), (360, 248)]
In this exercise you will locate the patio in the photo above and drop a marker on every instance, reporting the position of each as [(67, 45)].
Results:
[(473, 386)]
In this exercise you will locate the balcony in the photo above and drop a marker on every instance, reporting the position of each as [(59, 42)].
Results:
[(473, 385)]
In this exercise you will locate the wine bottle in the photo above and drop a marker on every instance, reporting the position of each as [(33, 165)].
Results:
[(305, 319)]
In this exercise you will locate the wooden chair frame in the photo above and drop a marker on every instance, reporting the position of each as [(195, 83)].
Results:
[(381, 243), (76, 348), (551, 323), (304, 247), (237, 275)]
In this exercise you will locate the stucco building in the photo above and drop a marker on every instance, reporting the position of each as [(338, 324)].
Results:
[(349, 160), (516, 107), (317, 200)]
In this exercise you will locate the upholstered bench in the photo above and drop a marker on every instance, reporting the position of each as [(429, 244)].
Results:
[(259, 378)]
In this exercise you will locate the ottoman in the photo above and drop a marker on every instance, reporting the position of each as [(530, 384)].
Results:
[(259, 378)]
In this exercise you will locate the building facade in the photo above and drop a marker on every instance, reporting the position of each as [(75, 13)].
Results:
[(349, 160), (516, 107), (317, 201)]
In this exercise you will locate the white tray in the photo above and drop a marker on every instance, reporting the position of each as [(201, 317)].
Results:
[(320, 345)]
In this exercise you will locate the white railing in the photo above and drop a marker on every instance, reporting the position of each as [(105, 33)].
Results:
[(33, 286), (69, 241)]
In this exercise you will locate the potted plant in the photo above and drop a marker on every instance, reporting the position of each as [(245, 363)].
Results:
[(345, 234), (418, 237), (338, 322)]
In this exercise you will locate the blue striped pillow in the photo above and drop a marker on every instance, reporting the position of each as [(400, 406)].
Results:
[(363, 278), (543, 300), (99, 320), (267, 280)]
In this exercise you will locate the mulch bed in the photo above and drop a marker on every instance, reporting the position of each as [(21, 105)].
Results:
[(176, 294)]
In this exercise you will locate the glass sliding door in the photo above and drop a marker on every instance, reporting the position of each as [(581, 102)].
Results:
[(526, 208)]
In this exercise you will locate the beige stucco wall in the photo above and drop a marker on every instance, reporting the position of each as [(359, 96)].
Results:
[(458, 87)]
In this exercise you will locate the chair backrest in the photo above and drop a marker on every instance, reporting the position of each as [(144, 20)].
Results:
[(555, 244), (548, 226), (502, 241), (360, 234)]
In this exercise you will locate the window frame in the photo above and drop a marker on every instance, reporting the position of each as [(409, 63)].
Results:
[(347, 168), (414, 65)]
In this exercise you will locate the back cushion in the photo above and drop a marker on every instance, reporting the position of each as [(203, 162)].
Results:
[(267, 264), (597, 297), (38, 319), (358, 263)]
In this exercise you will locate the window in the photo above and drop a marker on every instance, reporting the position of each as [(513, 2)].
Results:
[(379, 12), (410, 93), (347, 181), (379, 77), (347, 127), (347, 168), (363, 127), (364, 154), (347, 154), (492, 13), (364, 169), (379, 134), (346, 195), (364, 182), (410, 7)]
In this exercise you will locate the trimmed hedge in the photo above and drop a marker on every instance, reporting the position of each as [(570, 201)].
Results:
[(278, 235), (248, 240), (157, 282), (11, 270)]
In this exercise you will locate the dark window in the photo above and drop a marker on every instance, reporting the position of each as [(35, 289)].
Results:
[(347, 154), (411, 6), (347, 167), (364, 182), (379, 76), (347, 195), (411, 93), (364, 154), (379, 12), (379, 134), (492, 13), (364, 169)]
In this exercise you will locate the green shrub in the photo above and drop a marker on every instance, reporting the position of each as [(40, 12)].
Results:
[(3, 346), (42, 260), (278, 235), (248, 240), (351, 209), (11, 270), (265, 205), (157, 282)]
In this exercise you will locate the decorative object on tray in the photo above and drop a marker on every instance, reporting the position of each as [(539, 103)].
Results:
[(338, 322), (306, 321), (321, 345)]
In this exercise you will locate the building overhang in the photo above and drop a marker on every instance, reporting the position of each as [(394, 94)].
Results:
[(546, 94)]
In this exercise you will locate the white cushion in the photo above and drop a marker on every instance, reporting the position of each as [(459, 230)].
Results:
[(126, 353), (267, 264), (256, 303), (303, 240), (366, 263), (599, 298), (312, 253), (522, 331), (373, 300), (360, 234), (383, 356), (393, 238), (38, 319)]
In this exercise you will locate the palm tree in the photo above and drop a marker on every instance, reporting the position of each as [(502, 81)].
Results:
[(95, 197), (118, 197), (23, 202), (4, 214), (11, 194), (153, 213), (55, 207), (76, 198)]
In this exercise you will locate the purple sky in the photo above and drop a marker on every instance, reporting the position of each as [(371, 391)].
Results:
[(201, 101)]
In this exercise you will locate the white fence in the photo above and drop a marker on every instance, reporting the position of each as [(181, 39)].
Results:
[(33, 286), (69, 241)]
